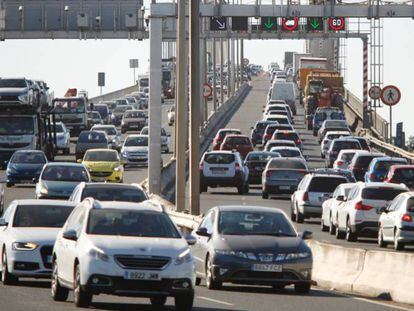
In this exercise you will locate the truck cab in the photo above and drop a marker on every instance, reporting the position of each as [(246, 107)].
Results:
[(72, 112)]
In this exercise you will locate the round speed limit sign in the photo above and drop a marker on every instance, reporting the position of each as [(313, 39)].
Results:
[(375, 92), (336, 23)]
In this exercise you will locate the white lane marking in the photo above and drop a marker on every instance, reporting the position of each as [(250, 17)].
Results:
[(368, 300), (198, 259), (215, 301)]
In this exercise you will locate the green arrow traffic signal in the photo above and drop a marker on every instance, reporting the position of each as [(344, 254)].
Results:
[(269, 23), (315, 23)]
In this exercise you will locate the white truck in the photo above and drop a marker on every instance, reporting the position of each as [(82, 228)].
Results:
[(72, 111)]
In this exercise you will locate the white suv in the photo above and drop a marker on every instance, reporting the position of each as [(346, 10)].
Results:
[(360, 213), (146, 255)]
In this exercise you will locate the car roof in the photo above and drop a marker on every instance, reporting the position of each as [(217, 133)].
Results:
[(136, 135), (386, 158), (65, 164), (348, 151), (220, 152), (228, 129), (236, 135), (102, 126), (327, 175), (120, 205), (280, 141), (104, 185), (381, 184), (101, 150), (400, 166), (366, 152), (285, 147), (44, 202), (29, 151), (248, 208)]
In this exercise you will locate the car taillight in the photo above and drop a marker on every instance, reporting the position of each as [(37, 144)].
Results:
[(339, 163), (407, 218), (201, 166), (362, 207), (267, 136), (305, 196), (237, 166), (297, 141)]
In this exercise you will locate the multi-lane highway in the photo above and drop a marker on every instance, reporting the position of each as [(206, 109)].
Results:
[(35, 294)]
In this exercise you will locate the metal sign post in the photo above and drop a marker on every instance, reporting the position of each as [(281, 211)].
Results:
[(390, 96), (101, 81), (133, 63)]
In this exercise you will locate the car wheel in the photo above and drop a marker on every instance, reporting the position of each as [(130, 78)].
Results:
[(198, 281), (278, 286), (303, 288), (184, 302), (210, 282), (350, 236), (9, 185), (58, 292), (398, 246), (322, 156), (7, 278), (81, 298), (315, 133), (292, 214), (340, 235), (265, 195), (123, 131), (203, 188), (381, 242), (332, 228), (299, 217), (240, 189), (158, 302), (323, 227), (246, 188)]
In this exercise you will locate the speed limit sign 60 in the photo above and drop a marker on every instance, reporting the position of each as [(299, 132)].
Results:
[(336, 23)]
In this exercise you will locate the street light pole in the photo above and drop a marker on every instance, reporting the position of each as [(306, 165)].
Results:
[(194, 22)]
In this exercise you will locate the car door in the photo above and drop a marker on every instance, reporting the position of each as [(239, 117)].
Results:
[(201, 247), (343, 210), (4, 230), (388, 218)]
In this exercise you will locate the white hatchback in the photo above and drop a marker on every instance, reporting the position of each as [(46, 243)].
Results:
[(146, 257)]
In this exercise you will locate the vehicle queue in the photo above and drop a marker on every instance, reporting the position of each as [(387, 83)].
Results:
[(66, 237)]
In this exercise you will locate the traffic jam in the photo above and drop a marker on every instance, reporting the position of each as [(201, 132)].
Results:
[(80, 204)]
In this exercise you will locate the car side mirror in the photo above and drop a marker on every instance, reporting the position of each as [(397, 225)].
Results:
[(70, 235), (191, 240), (203, 232), (384, 209), (307, 235), (340, 198), (79, 160), (6, 163), (34, 180), (251, 127), (3, 222)]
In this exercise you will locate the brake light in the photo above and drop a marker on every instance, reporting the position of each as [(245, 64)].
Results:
[(237, 165), (339, 163), (201, 166), (305, 196), (267, 136), (407, 218), (297, 141), (362, 207)]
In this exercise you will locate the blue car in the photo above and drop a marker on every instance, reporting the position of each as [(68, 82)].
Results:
[(25, 167), (323, 114), (379, 167)]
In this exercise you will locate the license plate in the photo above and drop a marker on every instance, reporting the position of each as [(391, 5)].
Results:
[(284, 187), (267, 267), (141, 275)]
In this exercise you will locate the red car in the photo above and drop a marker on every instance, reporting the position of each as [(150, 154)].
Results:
[(401, 174), (221, 134), (240, 143)]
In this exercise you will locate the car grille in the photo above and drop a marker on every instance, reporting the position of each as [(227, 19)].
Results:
[(142, 262), (137, 160), (101, 174), (46, 251), (13, 145), (9, 98)]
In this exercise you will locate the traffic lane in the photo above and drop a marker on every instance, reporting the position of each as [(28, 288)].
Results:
[(34, 295), (243, 119)]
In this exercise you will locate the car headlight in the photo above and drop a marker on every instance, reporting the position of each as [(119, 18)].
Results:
[(124, 153), (300, 255), (24, 246), (98, 254), (24, 98), (244, 255), (184, 257), (118, 168)]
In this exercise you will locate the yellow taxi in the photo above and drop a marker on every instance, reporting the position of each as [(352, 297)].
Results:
[(104, 165)]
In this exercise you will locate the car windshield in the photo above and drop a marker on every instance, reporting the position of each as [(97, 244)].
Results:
[(136, 141), (254, 223), (114, 194), (28, 158), (135, 114), (287, 164), (12, 83), (59, 128), (261, 156), (325, 184), (122, 108), (347, 156), (107, 130), (102, 156), (102, 109), (219, 158), (381, 193), (17, 126), (133, 223), (92, 137), (65, 173), (48, 216), (63, 106), (287, 153)]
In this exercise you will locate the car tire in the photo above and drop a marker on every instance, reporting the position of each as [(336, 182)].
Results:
[(123, 131), (303, 288), (6, 276), (350, 236), (58, 292), (380, 241), (184, 302), (292, 214), (265, 195), (158, 302), (81, 298), (198, 281), (246, 188), (315, 133), (240, 189), (9, 185), (398, 246), (278, 286), (340, 235), (203, 188), (322, 156), (210, 282), (323, 227), (299, 217), (331, 228)]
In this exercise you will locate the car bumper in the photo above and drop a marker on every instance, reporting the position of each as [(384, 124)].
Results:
[(406, 235), (235, 181), (272, 187), (135, 161), (310, 210), (238, 272), (113, 177), (366, 228), (37, 263), (22, 178)]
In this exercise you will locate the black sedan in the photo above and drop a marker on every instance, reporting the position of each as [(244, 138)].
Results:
[(256, 161), (251, 245)]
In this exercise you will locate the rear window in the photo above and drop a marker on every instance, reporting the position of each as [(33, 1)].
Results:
[(385, 165), (347, 157), (114, 194), (334, 123), (382, 193), (286, 136), (288, 153), (223, 134), (261, 126), (325, 184), (410, 205), (92, 137), (339, 145), (404, 175), (237, 140), (288, 164), (364, 161), (288, 174), (281, 120), (261, 156), (271, 129), (219, 158)]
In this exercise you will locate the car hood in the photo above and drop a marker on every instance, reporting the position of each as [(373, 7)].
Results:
[(60, 186), (257, 243), (101, 166), (136, 149), (43, 236), (14, 90), (122, 245)]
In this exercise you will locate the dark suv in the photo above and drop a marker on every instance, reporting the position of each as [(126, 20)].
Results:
[(90, 140)]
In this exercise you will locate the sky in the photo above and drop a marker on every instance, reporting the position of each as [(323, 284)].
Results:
[(66, 64)]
